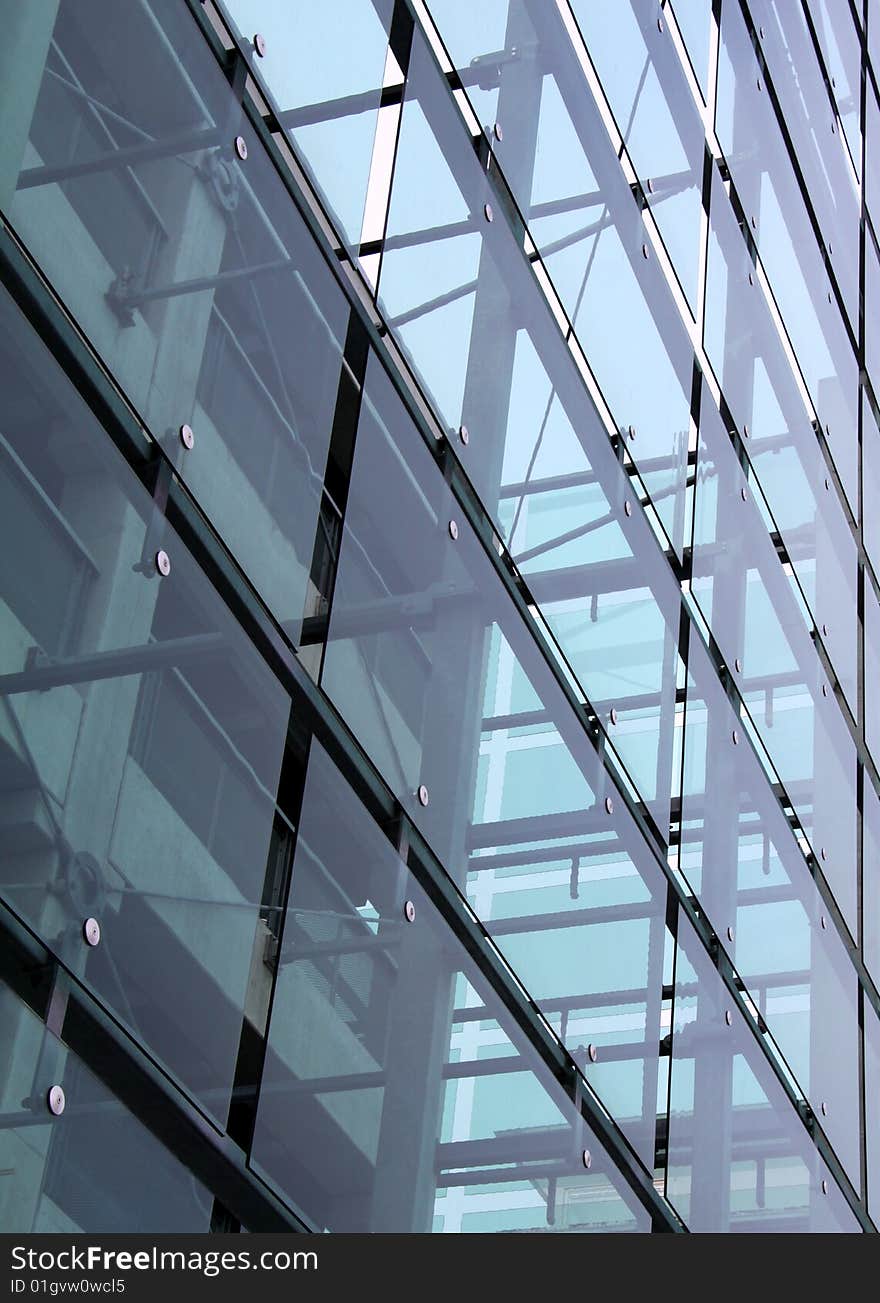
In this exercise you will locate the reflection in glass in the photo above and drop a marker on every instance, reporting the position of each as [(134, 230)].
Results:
[(442, 681), (740, 1158), (396, 1094), (95, 1167), (141, 736)]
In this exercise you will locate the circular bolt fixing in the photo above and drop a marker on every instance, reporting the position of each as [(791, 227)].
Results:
[(754, 222), (758, 83), (830, 247), (823, 923), (487, 209), (735, 738), (730, 934), (827, 430), (650, 186), (827, 484), (824, 1108), (631, 431), (761, 32), (260, 44), (745, 432), (728, 1017), (743, 495), (497, 132), (241, 147), (92, 931), (187, 438), (56, 1100), (423, 795), (409, 912), (824, 1186), (824, 689), (453, 530), (627, 509), (829, 296), (737, 665), (592, 1053), (644, 251), (163, 564), (823, 853), (613, 715), (587, 1159), (464, 434), (833, 127), (659, 24), (751, 278), (825, 630), (609, 805)]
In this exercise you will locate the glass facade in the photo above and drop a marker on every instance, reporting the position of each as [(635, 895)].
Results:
[(440, 616)]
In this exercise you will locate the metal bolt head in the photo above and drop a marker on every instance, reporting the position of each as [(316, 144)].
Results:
[(592, 1053), (587, 1159), (823, 853), (609, 805), (824, 1186), (743, 494), (824, 1107), (187, 438), (754, 222), (453, 529), (823, 923), (758, 82), (163, 563), (631, 431), (644, 251), (56, 1100), (464, 434), (825, 630), (735, 738), (761, 32), (745, 432), (260, 44), (829, 296), (824, 689), (423, 795), (497, 132), (827, 430), (409, 912), (92, 931), (241, 147), (728, 1017), (737, 665), (751, 278), (627, 509), (613, 715), (730, 934), (659, 24), (650, 186), (487, 209), (827, 484)]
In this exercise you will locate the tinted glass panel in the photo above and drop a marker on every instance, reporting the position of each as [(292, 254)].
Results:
[(324, 65), (740, 1158), (872, 1112), (741, 858), (191, 272), (582, 215), (841, 47), (871, 878), (694, 19), (749, 134), (871, 484), (872, 671), (93, 1168), (140, 736), (443, 682), (396, 1094)]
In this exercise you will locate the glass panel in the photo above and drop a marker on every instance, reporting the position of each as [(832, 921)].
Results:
[(192, 273), (741, 858), (397, 1094), (841, 47), (95, 1167), (656, 116), (762, 172), (750, 362), (140, 736), (740, 1158), (324, 65), (820, 149), (743, 592), (872, 1110), (871, 483), (694, 18), (872, 671), (872, 150), (872, 316), (444, 684), (871, 879), (448, 278)]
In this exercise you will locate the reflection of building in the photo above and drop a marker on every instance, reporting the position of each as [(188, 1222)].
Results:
[(440, 631)]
